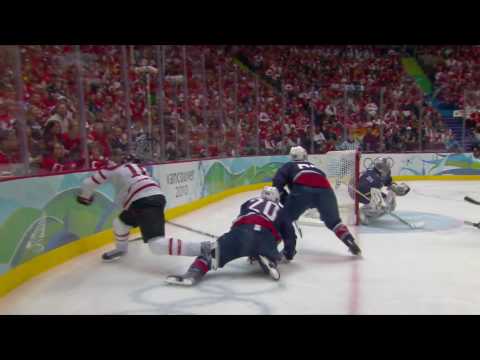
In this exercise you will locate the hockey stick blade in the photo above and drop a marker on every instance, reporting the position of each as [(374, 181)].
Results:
[(477, 225), (470, 200)]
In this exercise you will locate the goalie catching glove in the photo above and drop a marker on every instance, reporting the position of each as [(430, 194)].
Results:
[(84, 201), (401, 189)]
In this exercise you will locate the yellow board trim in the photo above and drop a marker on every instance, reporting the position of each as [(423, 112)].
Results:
[(44, 262), (24, 272), (436, 177)]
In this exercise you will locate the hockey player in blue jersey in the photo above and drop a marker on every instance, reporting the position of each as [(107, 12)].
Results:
[(255, 233), (378, 203), (309, 188)]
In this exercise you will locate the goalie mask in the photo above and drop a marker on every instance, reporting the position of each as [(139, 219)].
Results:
[(298, 153), (382, 166), (270, 193)]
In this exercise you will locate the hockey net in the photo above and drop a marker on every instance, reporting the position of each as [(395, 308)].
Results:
[(342, 169)]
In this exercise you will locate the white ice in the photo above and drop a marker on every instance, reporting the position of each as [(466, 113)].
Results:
[(429, 271)]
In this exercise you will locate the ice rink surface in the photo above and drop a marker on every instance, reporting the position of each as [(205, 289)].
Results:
[(434, 270)]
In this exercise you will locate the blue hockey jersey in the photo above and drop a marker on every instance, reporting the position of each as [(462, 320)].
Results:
[(372, 179), (300, 173)]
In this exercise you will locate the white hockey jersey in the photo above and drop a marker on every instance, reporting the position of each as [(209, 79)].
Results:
[(131, 182)]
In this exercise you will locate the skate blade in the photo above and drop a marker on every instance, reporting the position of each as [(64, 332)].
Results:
[(177, 280), (275, 274), (111, 260), (272, 271)]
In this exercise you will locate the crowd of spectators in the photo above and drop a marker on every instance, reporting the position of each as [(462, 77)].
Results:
[(454, 71), (220, 108), (345, 86)]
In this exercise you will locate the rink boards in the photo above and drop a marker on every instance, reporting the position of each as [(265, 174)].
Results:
[(41, 225)]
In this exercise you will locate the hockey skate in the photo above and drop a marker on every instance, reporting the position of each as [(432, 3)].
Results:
[(193, 275), (113, 255), (352, 245), (269, 267), (190, 278)]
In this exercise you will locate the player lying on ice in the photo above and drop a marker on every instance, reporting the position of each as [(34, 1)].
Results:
[(255, 233), (309, 188), (376, 202), (143, 204)]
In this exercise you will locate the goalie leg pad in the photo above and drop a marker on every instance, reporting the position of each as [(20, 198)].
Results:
[(377, 206), (371, 211), (390, 202)]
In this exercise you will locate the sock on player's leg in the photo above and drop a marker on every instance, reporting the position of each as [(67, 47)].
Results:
[(342, 232), (162, 246), (122, 232)]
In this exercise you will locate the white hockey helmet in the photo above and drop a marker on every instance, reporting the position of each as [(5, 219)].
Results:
[(270, 193), (298, 153)]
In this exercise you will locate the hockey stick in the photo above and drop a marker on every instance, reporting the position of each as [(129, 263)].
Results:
[(192, 229), (299, 230), (413, 226), (470, 200), (477, 224), (294, 224)]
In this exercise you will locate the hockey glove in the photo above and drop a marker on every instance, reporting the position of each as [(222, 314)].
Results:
[(288, 254), (84, 201), (283, 197), (401, 189)]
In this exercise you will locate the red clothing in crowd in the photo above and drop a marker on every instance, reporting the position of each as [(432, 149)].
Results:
[(12, 159), (213, 150), (100, 162), (52, 165), (329, 147), (4, 159), (198, 149), (103, 140), (70, 143)]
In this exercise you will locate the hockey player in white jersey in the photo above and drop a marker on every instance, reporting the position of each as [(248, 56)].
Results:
[(143, 204)]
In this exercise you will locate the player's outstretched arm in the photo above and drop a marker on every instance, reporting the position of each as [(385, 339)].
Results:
[(89, 185)]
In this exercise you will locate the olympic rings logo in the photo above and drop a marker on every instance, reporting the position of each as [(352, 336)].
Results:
[(368, 163)]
